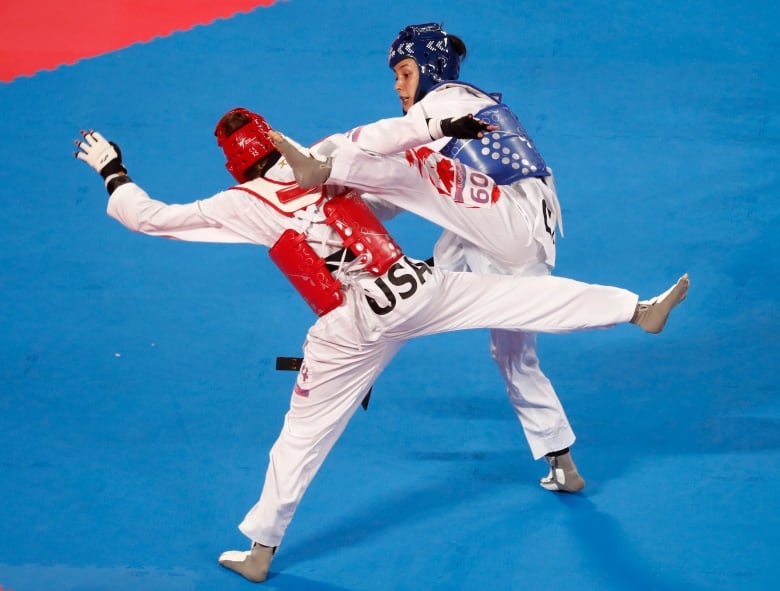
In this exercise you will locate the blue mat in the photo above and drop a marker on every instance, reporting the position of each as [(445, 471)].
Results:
[(138, 393)]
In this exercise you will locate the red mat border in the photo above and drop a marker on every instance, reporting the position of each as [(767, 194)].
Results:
[(46, 34)]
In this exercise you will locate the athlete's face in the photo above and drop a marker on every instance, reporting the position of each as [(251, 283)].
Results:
[(407, 78)]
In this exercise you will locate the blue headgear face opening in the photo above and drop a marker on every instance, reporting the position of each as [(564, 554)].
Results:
[(429, 46)]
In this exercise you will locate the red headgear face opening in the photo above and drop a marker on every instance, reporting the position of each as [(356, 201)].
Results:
[(246, 145)]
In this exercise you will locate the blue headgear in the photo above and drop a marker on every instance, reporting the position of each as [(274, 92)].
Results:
[(433, 52)]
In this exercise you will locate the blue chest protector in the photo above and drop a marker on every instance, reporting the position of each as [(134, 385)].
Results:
[(506, 155)]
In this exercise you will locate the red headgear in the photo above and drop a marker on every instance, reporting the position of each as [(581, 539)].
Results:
[(246, 145)]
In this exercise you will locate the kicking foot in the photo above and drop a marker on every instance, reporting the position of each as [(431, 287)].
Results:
[(308, 170), (252, 564), (563, 476), (651, 315)]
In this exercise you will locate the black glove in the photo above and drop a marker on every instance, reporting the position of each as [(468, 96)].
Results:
[(467, 127)]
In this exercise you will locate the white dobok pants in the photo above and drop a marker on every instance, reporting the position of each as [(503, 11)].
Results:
[(347, 349)]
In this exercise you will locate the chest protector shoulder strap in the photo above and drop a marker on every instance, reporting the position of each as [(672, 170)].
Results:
[(361, 232)]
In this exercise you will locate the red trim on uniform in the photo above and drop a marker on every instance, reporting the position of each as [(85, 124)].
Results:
[(291, 193), (287, 193)]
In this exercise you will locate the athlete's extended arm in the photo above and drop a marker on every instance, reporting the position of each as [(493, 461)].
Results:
[(396, 134), (216, 219)]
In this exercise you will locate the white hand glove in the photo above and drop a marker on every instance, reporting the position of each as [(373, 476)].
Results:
[(102, 155)]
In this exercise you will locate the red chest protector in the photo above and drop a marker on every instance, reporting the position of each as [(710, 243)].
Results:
[(360, 230)]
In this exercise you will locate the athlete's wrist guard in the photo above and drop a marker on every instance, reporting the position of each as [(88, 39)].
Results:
[(116, 180)]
